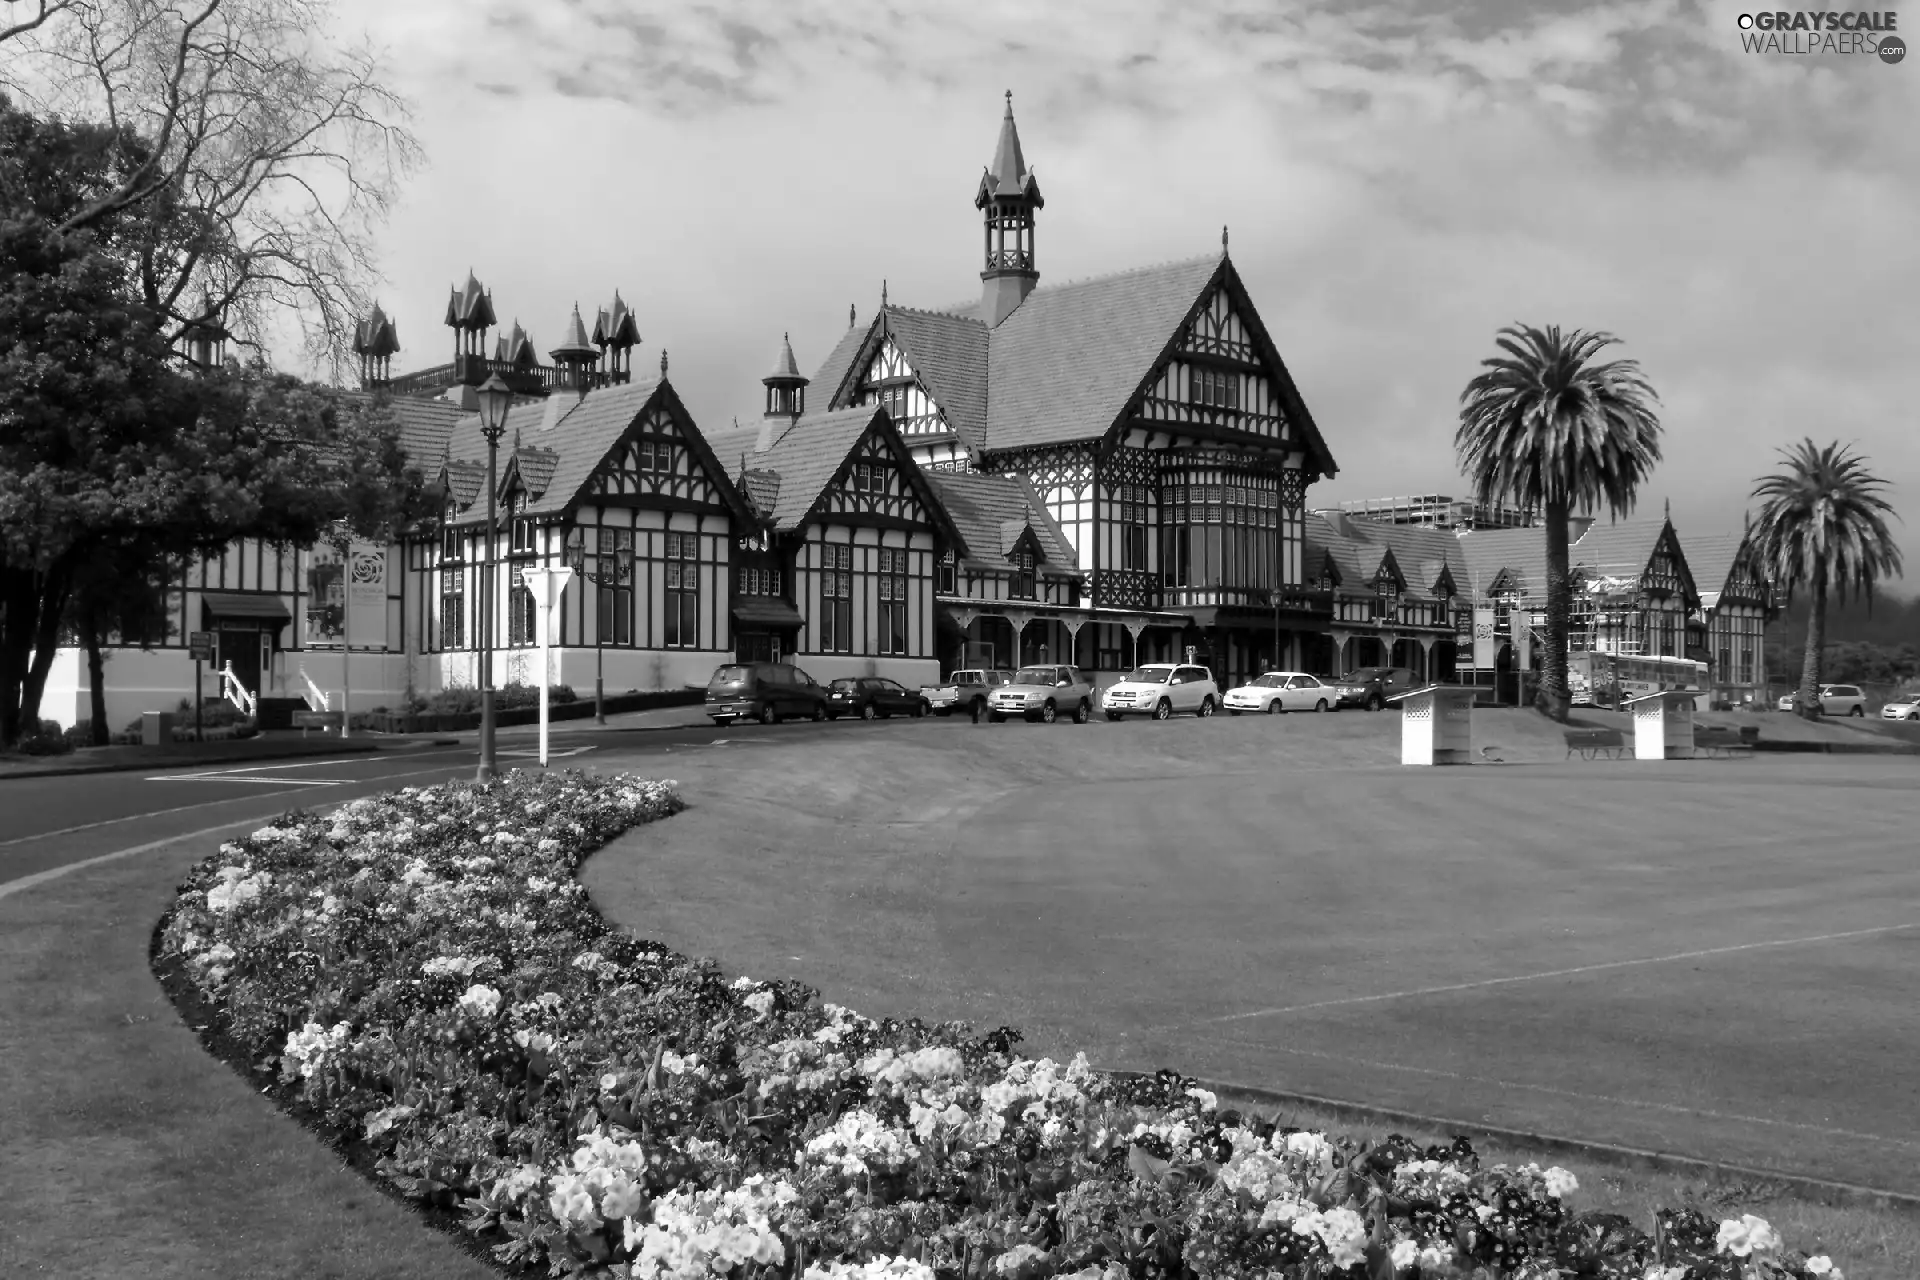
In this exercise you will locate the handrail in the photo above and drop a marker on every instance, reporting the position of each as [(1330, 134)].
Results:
[(235, 692), (316, 696)]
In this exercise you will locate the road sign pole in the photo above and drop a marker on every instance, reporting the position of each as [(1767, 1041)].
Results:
[(197, 734)]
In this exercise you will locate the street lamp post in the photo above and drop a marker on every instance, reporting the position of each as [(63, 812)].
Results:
[(599, 574), (496, 397)]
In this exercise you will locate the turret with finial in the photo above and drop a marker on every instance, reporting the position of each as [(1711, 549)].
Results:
[(786, 388), (1008, 196)]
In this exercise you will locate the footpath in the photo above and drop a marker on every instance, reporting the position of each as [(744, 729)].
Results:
[(290, 743)]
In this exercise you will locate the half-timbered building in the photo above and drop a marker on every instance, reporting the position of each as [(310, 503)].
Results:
[(1736, 603), (1148, 413)]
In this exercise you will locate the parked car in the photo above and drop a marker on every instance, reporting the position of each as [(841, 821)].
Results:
[(1902, 706), (764, 691), (871, 696), (1279, 691), (1159, 689), (966, 691), (1835, 700), (1043, 694), (1370, 687)]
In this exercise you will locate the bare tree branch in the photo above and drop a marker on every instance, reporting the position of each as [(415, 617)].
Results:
[(46, 10)]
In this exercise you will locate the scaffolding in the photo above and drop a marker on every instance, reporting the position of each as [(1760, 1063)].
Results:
[(1438, 511)]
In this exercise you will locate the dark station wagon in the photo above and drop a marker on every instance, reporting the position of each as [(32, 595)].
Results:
[(764, 691)]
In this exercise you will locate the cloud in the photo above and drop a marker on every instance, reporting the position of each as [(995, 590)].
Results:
[(1402, 178)]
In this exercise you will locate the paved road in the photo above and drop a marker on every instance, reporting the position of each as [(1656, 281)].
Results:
[(51, 822)]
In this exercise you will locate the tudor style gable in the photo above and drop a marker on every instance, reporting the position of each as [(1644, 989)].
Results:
[(876, 487), (659, 463)]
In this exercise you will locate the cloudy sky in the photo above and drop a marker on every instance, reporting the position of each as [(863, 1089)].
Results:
[(1401, 179)]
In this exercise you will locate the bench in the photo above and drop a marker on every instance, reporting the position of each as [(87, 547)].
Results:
[(1596, 742), (1714, 740), (325, 721)]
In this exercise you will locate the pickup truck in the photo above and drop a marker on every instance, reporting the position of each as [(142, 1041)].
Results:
[(965, 691)]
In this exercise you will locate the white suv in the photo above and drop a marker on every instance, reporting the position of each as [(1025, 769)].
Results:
[(1160, 689), (1835, 700)]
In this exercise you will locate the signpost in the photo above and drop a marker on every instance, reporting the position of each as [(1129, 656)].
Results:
[(547, 585), (201, 645), (1522, 651), (366, 616)]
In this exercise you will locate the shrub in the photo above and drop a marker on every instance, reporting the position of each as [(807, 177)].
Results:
[(45, 743), (441, 998), (465, 700)]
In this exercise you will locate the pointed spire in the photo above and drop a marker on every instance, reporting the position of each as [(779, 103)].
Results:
[(883, 294), (850, 314), (1008, 172), (1223, 237), (1669, 510), (663, 362), (784, 365)]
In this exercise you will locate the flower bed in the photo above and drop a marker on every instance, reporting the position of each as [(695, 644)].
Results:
[(425, 983)]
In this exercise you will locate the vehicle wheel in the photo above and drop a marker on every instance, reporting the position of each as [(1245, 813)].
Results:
[(1049, 713), (1273, 707), (1113, 716), (1162, 711), (1206, 706), (819, 714), (767, 715), (1320, 705), (867, 712), (1376, 702), (1858, 711), (996, 716), (979, 709), (1233, 711), (919, 710), (1082, 713)]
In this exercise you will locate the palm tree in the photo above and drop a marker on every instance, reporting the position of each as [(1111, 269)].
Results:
[(1543, 428), (1823, 524)]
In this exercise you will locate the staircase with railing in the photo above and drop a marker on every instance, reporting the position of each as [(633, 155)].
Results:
[(316, 696), (237, 693)]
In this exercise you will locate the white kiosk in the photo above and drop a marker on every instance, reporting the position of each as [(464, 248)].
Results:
[(1663, 725), (1436, 724)]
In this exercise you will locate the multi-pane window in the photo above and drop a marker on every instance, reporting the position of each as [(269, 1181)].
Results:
[(869, 477), (1223, 534), (836, 598), (654, 457), (453, 608), (683, 591), (1746, 666), (1135, 518), (893, 601), (945, 575), (520, 620), (522, 528), (612, 569), (449, 536), (1023, 574), (759, 582), (1215, 387)]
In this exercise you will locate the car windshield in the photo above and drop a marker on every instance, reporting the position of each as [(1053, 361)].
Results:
[(1149, 675), (1034, 675), (1365, 674)]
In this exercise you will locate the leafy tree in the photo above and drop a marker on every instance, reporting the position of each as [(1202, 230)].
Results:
[(1545, 428), (1823, 526)]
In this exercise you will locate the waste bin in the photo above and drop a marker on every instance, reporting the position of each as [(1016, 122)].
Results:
[(1663, 725), (1436, 724), (156, 729)]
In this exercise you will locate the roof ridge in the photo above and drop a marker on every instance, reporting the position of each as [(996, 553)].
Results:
[(1143, 269), (936, 311)]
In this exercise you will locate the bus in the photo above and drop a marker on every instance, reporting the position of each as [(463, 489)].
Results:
[(1592, 678)]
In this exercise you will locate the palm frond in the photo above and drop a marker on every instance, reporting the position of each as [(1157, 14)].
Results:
[(1823, 522)]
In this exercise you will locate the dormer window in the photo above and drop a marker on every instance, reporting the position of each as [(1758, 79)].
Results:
[(1023, 574), (522, 527)]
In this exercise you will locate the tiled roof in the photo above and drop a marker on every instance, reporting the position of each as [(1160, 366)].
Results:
[(1066, 362), (762, 488), (784, 367), (537, 466), (1711, 557), (1359, 545), (466, 480), (584, 436), (424, 426), (1618, 550), (983, 507), (1488, 551), (1008, 174), (734, 446), (807, 455), (950, 355), (834, 370)]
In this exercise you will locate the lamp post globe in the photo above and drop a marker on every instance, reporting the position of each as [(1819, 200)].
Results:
[(496, 398)]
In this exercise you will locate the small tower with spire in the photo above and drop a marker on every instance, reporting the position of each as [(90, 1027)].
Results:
[(616, 334), (786, 389), (575, 356), (207, 336), (375, 340), (470, 315), (1008, 196)]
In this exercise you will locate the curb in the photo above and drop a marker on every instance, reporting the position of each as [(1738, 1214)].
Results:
[(350, 747), (1819, 1190), (1840, 748)]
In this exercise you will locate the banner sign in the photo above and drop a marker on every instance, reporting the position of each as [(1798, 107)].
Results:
[(366, 596), (1483, 637), (1522, 640)]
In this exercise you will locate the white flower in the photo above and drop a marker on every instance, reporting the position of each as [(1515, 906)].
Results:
[(1405, 1254), (572, 1203), (519, 1182), (378, 1122), (1746, 1236), (622, 1199), (1821, 1265), (1015, 1258), (1560, 1183), (236, 888), (1207, 1101), (480, 1000), (1342, 1232), (761, 1002)]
